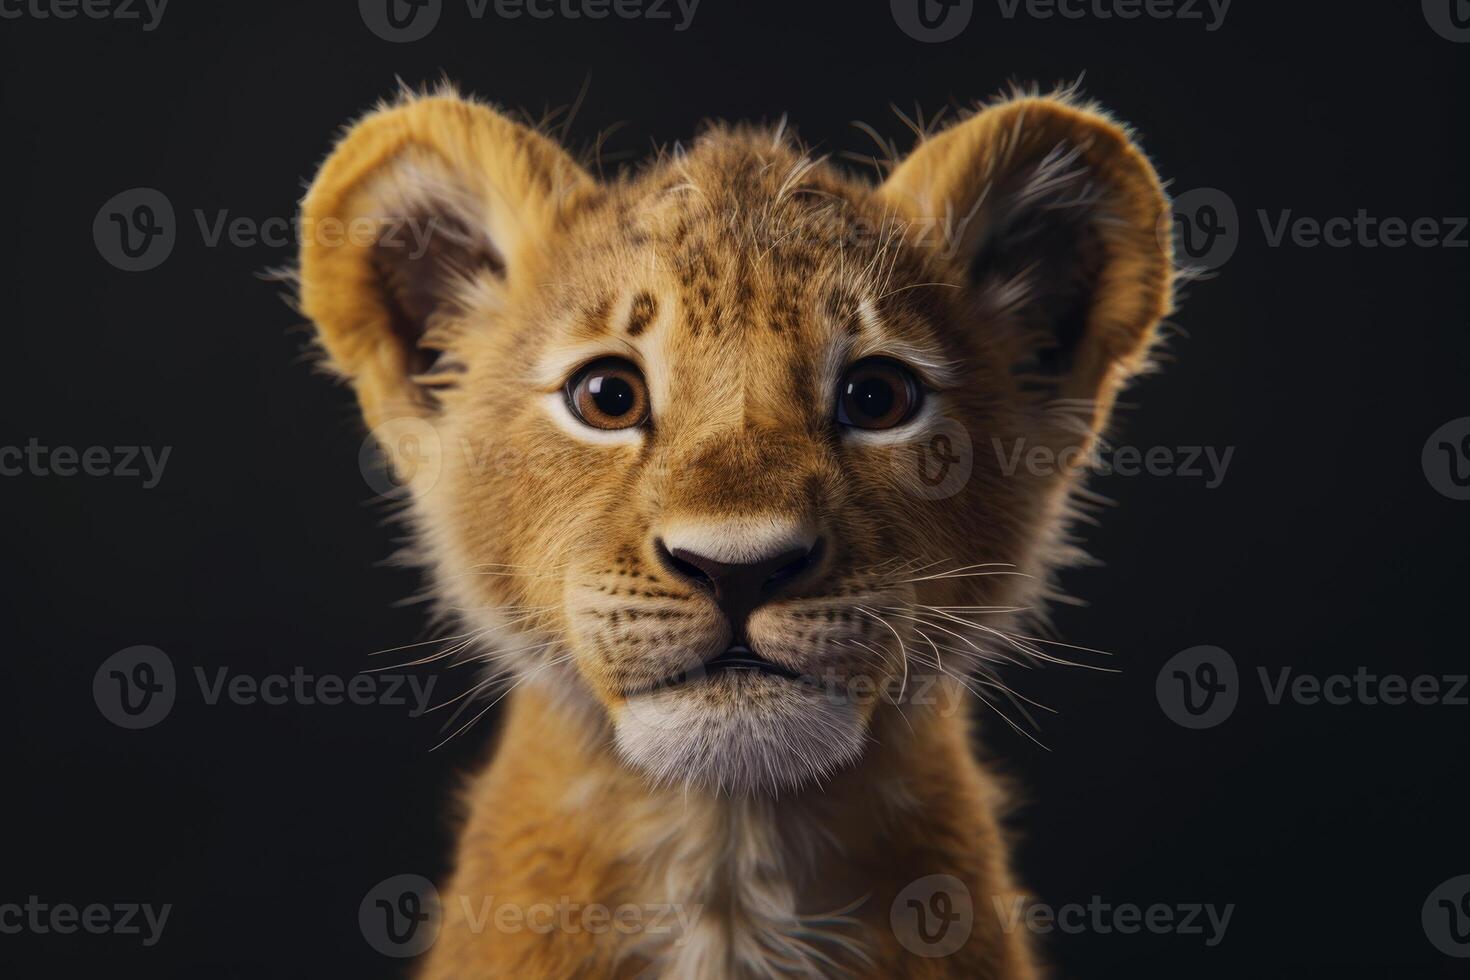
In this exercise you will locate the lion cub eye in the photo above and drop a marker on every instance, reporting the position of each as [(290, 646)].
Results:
[(877, 394), (608, 394)]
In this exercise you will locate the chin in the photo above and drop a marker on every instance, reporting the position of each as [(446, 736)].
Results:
[(740, 733)]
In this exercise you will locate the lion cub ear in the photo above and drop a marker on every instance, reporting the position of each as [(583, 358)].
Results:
[(419, 206), (1051, 216)]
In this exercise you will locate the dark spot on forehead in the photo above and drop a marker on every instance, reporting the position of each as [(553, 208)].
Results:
[(644, 309), (744, 293)]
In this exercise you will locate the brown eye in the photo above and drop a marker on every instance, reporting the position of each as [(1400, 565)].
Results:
[(608, 394), (877, 394)]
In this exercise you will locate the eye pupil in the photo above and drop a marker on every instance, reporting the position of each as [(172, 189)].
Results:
[(609, 394), (613, 396), (872, 397), (877, 393)]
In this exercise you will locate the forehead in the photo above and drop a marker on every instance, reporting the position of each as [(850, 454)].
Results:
[(744, 256)]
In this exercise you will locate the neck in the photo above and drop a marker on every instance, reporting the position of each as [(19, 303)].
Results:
[(736, 884)]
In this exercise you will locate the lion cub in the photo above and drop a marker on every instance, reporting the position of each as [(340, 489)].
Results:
[(701, 465)]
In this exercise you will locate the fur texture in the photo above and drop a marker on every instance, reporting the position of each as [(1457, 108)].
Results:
[(1013, 262)]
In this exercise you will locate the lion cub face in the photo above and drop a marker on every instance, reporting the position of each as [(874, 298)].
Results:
[(710, 446)]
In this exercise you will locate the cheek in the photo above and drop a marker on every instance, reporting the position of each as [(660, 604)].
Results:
[(616, 663), (629, 629), (827, 639), (536, 489), (870, 515)]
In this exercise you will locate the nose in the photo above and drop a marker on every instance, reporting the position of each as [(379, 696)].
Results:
[(740, 587)]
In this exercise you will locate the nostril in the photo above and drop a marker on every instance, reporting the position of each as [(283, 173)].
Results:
[(740, 586), (793, 567), (682, 567)]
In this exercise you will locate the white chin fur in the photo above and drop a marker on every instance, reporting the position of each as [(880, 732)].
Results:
[(740, 733)]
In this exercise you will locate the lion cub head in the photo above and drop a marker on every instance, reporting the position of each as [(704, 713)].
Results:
[(708, 448)]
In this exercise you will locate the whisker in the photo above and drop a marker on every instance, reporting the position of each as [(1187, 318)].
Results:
[(422, 643), (1001, 714), (430, 658), (903, 651), (496, 701)]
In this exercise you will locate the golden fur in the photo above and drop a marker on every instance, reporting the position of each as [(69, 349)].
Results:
[(1014, 261)]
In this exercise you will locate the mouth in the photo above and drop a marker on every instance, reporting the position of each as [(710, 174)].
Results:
[(738, 660), (739, 723), (741, 657)]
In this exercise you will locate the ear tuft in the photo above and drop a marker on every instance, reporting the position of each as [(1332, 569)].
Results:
[(421, 204), (1051, 214)]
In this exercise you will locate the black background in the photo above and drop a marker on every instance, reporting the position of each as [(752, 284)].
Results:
[(1325, 548)]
